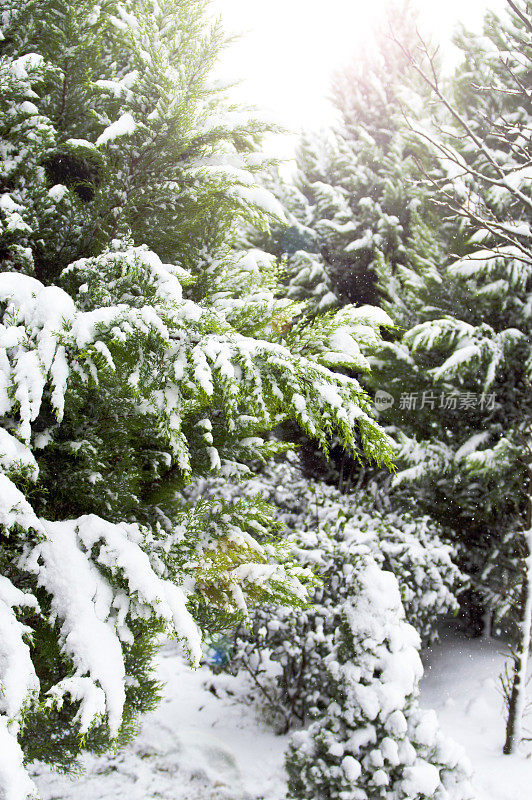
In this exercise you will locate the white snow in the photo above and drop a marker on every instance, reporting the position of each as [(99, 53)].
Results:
[(57, 192), (8, 204), (200, 744), (121, 87), (300, 404), (90, 613), (82, 607), (261, 198), (13, 454), (17, 674), (44, 311), (471, 445), (203, 743), (422, 778), (449, 367), (123, 126), (516, 179), (13, 775), (344, 350), (462, 684), (80, 143), (25, 64), (352, 768), (14, 508)]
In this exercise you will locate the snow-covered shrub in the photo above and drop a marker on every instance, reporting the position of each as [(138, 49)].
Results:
[(324, 526), (372, 741)]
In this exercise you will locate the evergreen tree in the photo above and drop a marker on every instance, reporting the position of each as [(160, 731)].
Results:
[(373, 741), (359, 215), (137, 352), (470, 360), (355, 202)]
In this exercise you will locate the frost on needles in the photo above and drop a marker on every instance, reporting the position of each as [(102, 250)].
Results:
[(138, 351)]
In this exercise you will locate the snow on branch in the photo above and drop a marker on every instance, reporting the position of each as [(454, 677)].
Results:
[(92, 613)]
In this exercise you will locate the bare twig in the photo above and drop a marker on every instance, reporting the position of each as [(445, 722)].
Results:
[(520, 14)]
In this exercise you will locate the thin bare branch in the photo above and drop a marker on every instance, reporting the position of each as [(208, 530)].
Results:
[(520, 14)]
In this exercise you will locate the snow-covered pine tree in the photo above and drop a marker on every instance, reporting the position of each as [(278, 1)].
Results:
[(137, 351), (473, 355), (373, 741)]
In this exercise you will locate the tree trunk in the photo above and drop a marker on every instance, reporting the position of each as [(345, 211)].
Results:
[(517, 700)]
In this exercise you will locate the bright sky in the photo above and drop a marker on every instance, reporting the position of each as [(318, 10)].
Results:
[(291, 47)]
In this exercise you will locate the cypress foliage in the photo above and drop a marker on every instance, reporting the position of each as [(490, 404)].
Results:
[(326, 526), (360, 218), (465, 362), (137, 351), (356, 202), (373, 742), (469, 357)]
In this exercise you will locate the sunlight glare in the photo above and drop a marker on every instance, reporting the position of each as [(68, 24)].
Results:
[(290, 48)]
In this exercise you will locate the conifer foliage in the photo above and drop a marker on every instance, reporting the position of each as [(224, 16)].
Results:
[(355, 205), (129, 364), (472, 340), (360, 221), (373, 742), (477, 338), (284, 649)]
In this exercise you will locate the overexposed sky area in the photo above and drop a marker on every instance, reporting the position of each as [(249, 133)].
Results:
[(290, 48)]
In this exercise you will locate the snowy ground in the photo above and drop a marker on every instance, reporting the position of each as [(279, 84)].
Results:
[(462, 684), (202, 743)]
